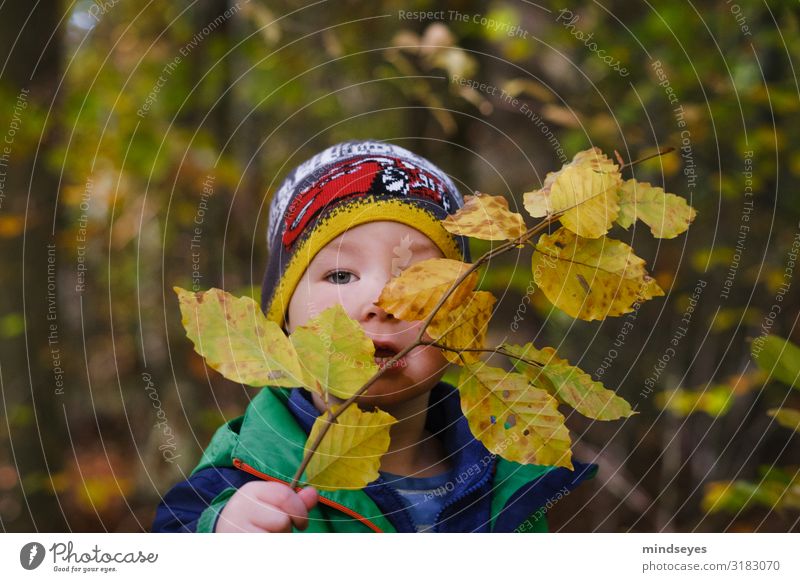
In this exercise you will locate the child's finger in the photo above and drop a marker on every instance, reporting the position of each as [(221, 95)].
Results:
[(280, 496), (284, 499), (265, 517), (309, 496)]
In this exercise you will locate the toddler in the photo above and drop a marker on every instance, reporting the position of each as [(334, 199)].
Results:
[(340, 226)]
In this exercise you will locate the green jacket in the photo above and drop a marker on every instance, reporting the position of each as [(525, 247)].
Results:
[(488, 493)]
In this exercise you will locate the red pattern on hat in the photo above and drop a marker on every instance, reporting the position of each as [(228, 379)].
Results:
[(376, 175)]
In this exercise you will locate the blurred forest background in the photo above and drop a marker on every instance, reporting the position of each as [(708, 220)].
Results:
[(142, 142)]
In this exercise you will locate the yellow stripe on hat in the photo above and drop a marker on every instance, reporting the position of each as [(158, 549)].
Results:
[(349, 215)]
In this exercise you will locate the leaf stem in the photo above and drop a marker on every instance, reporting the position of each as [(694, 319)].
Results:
[(658, 154), (498, 350)]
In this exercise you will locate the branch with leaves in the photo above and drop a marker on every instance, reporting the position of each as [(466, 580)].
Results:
[(515, 414)]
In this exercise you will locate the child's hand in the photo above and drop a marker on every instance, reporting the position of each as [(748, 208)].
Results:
[(266, 506)]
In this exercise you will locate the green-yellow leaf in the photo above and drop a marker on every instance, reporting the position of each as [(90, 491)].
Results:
[(237, 340), (487, 218), (584, 192), (464, 327), (413, 294), (787, 417), (590, 278), (779, 358), (777, 489), (349, 455), (336, 355), (570, 384), (667, 215), (714, 400), (512, 418)]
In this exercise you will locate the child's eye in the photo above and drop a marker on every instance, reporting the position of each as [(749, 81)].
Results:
[(339, 277)]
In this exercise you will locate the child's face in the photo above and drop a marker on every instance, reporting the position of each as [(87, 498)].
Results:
[(352, 270)]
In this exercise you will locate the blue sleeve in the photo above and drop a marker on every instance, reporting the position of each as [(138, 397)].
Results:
[(533, 500), (182, 506)]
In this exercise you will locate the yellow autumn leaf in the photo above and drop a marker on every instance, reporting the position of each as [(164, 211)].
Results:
[(777, 489), (464, 327), (237, 340), (570, 384), (591, 278), (349, 455), (11, 225), (413, 294), (667, 215), (487, 218), (786, 417), (336, 355), (512, 418), (584, 192), (713, 400)]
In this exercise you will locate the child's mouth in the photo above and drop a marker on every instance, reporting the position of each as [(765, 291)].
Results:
[(383, 356)]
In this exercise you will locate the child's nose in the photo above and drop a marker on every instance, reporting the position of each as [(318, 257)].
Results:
[(371, 310), (374, 311)]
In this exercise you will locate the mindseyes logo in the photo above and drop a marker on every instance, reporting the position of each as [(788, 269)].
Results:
[(31, 555)]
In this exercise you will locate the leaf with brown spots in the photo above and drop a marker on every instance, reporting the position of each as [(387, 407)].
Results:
[(569, 384), (487, 218), (237, 340), (667, 215), (565, 264), (464, 327), (584, 193), (349, 454), (413, 294), (512, 418)]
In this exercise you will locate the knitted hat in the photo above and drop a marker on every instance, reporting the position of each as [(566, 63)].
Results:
[(349, 184)]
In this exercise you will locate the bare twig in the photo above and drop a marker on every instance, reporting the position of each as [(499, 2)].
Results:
[(650, 157), (498, 350)]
